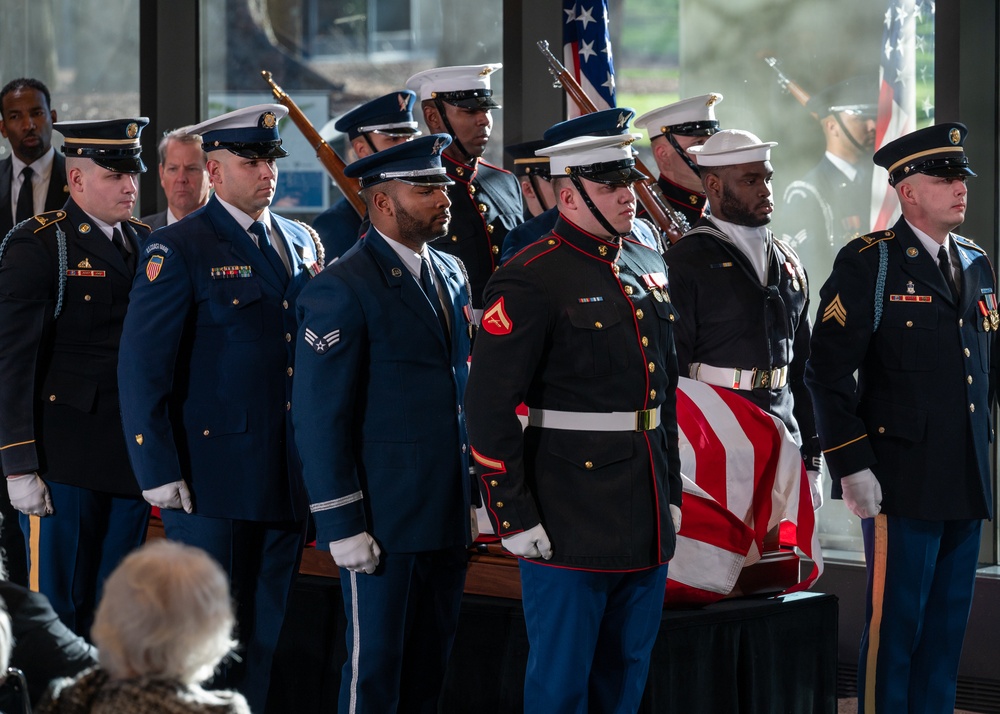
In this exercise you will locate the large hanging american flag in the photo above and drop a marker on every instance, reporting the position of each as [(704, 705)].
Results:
[(587, 51), (896, 100)]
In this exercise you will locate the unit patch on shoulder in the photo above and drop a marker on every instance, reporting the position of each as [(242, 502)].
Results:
[(321, 345), (836, 311), (150, 247), (496, 321), (153, 267)]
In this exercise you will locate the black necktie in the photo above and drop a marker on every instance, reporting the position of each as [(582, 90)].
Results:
[(119, 240), (949, 277), (428, 285), (270, 254), (26, 197)]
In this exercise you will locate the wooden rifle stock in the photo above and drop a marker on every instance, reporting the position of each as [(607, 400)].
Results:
[(672, 225), (333, 164), (788, 85)]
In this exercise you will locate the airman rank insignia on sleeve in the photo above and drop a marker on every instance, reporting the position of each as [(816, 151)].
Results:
[(836, 311), (496, 321), (321, 345), (153, 267)]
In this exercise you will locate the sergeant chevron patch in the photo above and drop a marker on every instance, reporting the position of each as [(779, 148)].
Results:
[(321, 344), (835, 311)]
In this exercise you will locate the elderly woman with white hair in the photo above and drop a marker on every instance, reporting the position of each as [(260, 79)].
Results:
[(164, 623)]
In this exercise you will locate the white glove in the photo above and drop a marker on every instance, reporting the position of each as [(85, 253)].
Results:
[(170, 495), (675, 516), (532, 543), (816, 488), (358, 553), (475, 524), (862, 494), (29, 494)]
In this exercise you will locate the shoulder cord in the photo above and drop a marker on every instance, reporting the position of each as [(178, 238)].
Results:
[(63, 261), (883, 264)]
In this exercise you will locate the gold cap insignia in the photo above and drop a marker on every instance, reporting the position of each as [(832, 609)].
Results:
[(84, 264), (712, 99), (84, 228), (485, 71), (912, 252), (269, 120), (132, 130), (955, 136), (138, 439)]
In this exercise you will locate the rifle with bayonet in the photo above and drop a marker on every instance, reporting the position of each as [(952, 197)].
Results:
[(672, 223), (333, 164), (787, 84)]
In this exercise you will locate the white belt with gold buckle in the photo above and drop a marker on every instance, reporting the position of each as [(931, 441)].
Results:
[(737, 378), (644, 420)]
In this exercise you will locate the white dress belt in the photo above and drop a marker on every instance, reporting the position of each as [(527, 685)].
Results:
[(737, 378), (644, 420)]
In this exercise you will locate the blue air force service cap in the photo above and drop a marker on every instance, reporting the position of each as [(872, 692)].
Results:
[(936, 151), (416, 162), (526, 162), (608, 122), (391, 115), (251, 132), (466, 86), (694, 116), (111, 143), (604, 159)]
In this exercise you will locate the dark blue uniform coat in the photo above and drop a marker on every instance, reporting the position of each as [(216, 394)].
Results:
[(339, 227)]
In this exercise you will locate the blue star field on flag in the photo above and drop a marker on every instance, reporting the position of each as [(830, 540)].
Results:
[(587, 49)]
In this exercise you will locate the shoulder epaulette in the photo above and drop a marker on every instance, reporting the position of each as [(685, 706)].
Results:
[(540, 247), (47, 219), (320, 250), (865, 242), (135, 221), (969, 243)]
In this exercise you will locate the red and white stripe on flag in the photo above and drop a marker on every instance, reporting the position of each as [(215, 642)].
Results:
[(743, 475), (587, 51)]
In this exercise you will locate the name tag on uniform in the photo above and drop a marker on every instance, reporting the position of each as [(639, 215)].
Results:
[(909, 298), (85, 273)]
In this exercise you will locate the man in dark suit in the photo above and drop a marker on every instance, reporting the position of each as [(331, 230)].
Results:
[(26, 122), (183, 177), (65, 279), (381, 369), (912, 311), (370, 127), (206, 380)]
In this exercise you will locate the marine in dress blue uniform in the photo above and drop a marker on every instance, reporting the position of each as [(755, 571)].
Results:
[(206, 381), (908, 440), (579, 327), (672, 130), (485, 199), (370, 127), (609, 122), (743, 295), (65, 278), (381, 369)]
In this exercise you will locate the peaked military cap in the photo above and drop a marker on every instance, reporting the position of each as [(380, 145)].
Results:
[(607, 122), (694, 116), (391, 115), (111, 143), (251, 132), (526, 162), (415, 162), (935, 150), (604, 159), (466, 86)]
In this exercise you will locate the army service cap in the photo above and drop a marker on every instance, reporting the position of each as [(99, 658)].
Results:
[(935, 150), (526, 161), (466, 86), (416, 162), (604, 159), (694, 116), (730, 147), (391, 115), (110, 143), (251, 132)]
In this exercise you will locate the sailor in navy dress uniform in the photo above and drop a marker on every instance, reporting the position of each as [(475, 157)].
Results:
[(485, 199), (370, 127), (908, 440), (672, 130), (579, 327), (65, 278), (608, 122), (742, 294), (206, 380), (381, 369)]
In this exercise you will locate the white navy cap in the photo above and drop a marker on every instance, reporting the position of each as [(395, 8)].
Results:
[(251, 132), (605, 159), (730, 147), (465, 86), (694, 116)]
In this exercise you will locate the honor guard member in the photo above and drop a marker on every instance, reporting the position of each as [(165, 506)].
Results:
[(381, 366), (912, 312), (829, 206), (672, 130), (485, 199), (532, 173), (608, 122), (206, 381), (579, 327), (65, 277), (370, 127), (742, 294)]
